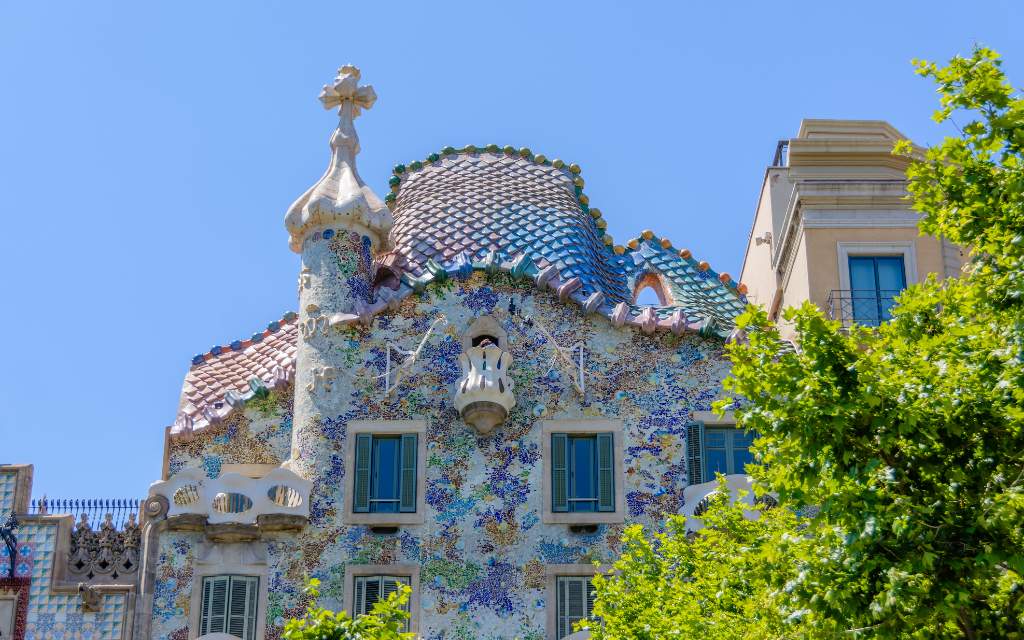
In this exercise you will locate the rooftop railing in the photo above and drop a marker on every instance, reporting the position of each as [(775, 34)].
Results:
[(95, 509), (866, 307)]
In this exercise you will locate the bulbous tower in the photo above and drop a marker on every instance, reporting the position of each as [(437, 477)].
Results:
[(337, 226)]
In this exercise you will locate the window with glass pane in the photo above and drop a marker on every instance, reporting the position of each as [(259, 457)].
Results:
[(582, 471), (874, 282), (229, 606), (369, 590), (726, 451), (385, 473), (575, 602)]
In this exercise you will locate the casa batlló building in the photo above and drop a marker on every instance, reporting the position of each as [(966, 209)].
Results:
[(469, 401)]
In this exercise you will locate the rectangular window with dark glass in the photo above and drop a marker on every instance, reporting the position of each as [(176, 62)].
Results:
[(726, 451), (874, 282), (385, 473), (582, 472)]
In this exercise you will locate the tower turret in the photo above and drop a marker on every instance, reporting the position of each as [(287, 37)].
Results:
[(337, 226)]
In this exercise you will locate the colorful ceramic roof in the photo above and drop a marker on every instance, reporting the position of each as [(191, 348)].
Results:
[(466, 205), (227, 376), (460, 206)]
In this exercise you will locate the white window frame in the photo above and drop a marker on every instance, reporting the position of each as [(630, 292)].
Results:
[(385, 428), (906, 249), (238, 559), (399, 570), (584, 427)]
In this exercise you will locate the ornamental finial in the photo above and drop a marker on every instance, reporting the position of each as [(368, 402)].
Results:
[(340, 198), (345, 88)]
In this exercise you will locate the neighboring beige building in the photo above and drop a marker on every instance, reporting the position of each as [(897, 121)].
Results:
[(834, 226)]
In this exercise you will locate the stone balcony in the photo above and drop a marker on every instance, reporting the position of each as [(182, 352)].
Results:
[(697, 498), (234, 507)]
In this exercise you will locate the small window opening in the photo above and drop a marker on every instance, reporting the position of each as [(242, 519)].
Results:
[(650, 291), (485, 340), (648, 297)]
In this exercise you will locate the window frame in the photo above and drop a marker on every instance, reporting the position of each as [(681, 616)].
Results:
[(707, 420), (552, 573), (399, 570), (231, 580), (729, 431), (906, 249), (583, 427), (385, 428), (216, 559)]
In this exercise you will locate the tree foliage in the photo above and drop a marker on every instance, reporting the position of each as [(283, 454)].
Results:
[(384, 622), (909, 437), (717, 585)]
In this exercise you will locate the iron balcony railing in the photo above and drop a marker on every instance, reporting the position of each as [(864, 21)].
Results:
[(866, 307), (95, 509)]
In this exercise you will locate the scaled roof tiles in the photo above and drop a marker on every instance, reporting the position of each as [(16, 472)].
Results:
[(228, 376)]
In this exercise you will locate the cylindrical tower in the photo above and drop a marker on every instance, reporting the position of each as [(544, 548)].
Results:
[(337, 226)]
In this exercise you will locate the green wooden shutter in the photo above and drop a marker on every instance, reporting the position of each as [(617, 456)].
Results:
[(242, 607), (409, 454), (559, 472), (361, 492), (215, 603), (695, 452), (572, 603), (359, 606), (605, 472), (562, 607)]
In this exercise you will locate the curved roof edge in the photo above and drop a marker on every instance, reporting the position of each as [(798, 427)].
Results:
[(402, 171)]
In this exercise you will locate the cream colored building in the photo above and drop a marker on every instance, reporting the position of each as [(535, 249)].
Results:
[(834, 226)]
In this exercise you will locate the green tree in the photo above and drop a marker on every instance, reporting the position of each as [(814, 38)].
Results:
[(384, 622), (715, 584), (909, 436)]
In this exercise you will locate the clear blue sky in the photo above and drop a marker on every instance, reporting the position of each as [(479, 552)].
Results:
[(148, 153)]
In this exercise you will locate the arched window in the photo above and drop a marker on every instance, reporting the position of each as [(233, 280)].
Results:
[(650, 290)]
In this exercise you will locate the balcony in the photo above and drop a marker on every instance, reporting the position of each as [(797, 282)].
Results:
[(697, 499), (233, 507), (865, 307)]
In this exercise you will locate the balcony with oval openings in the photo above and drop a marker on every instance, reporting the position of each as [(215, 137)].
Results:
[(234, 507)]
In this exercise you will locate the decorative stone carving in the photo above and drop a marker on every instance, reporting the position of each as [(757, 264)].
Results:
[(104, 554), (91, 598), (483, 394)]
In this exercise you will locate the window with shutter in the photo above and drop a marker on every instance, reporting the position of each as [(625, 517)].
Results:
[(575, 602), (582, 472), (229, 606), (361, 492), (371, 589), (559, 472), (726, 451), (695, 453), (409, 454), (605, 473)]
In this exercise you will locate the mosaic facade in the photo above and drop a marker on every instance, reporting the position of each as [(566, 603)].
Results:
[(483, 548)]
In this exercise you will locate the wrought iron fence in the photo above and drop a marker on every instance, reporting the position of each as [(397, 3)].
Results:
[(95, 509), (866, 307)]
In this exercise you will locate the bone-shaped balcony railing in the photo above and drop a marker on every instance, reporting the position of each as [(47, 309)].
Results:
[(233, 497)]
